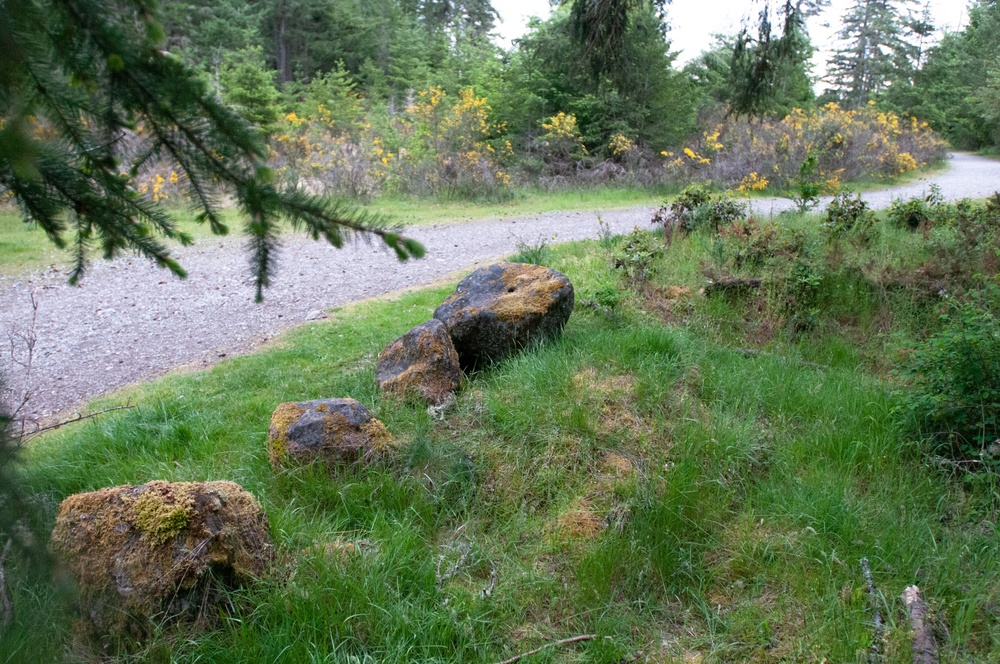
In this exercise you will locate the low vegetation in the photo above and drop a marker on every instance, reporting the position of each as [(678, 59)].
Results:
[(693, 472)]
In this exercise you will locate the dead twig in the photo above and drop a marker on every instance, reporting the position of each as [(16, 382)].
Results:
[(554, 644), (924, 649), (73, 420), (874, 653), (6, 607)]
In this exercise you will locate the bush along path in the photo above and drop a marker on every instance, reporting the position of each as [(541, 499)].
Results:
[(129, 321)]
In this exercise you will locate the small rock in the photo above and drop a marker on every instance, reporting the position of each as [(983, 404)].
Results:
[(143, 554), (500, 309), (422, 363), (333, 431)]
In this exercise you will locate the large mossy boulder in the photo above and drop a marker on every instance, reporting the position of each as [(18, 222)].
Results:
[(142, 555), (421, 364), (500, 309), (330, 431)]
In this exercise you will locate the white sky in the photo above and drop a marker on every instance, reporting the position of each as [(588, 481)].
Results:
[(693, 22)]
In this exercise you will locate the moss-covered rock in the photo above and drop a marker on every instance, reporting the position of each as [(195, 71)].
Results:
[(144, 554), (420, 364), (331, 431), (500, 309)]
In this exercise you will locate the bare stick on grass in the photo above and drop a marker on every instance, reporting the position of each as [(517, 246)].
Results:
[(924, 649), (873, 652), (575, 639)]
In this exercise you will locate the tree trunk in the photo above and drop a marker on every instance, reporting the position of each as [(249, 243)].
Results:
[(284, 75)]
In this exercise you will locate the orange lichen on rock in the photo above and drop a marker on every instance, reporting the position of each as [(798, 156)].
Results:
[(421, 364), (531, 291), (139, 553), (501, 309), (331, 431), (282, 418)]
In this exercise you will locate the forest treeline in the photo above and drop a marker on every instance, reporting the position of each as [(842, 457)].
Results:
[(593, 91)]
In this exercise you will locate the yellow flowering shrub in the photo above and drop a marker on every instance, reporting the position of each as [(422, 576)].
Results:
[(439, 145), (753, 182), (850, 144), (561, 145)]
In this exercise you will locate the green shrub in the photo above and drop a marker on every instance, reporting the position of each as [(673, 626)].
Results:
[(845, 213), (807, 189), (693, 196), (952, 398), (912, 213), (635, 256), (537, 253), (918, 212), (696, 210)]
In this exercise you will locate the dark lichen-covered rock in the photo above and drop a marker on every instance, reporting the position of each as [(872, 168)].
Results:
[(422, 363), (498, 310), (144, 554), (333, 431)]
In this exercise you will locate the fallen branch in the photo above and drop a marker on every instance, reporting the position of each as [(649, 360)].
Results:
[(924, 649), (6, 607), (873, 652), (731, 285), (575, 639), (74, 420)]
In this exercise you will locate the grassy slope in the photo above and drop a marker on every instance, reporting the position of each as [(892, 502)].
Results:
[(648, 482)]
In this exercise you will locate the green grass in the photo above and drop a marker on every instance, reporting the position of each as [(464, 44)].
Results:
[(420, 211), (736, 490), (989, 153)]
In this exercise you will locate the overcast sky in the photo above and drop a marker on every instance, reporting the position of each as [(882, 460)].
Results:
[(693, 22)]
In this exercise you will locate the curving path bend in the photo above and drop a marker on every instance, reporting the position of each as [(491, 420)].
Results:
[(131, 321)]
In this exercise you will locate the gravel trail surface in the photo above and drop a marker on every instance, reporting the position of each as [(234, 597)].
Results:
[(130, 321)]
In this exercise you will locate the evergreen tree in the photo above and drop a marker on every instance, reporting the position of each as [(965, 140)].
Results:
[(955, 88), (878, 50), (332, 96), (87, 72), (770, 73), (646, 99), (602, 27), (248, 86)]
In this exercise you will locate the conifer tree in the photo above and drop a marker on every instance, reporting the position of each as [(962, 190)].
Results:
[(76, 77), (769, 69), (877, 50), (248, 86)]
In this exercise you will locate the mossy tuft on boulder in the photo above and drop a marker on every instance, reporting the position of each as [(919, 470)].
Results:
[(144, 554)]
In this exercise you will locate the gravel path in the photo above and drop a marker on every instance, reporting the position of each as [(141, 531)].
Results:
[(130, 321)]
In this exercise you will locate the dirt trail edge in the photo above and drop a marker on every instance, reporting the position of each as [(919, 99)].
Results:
[(131, 321)]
